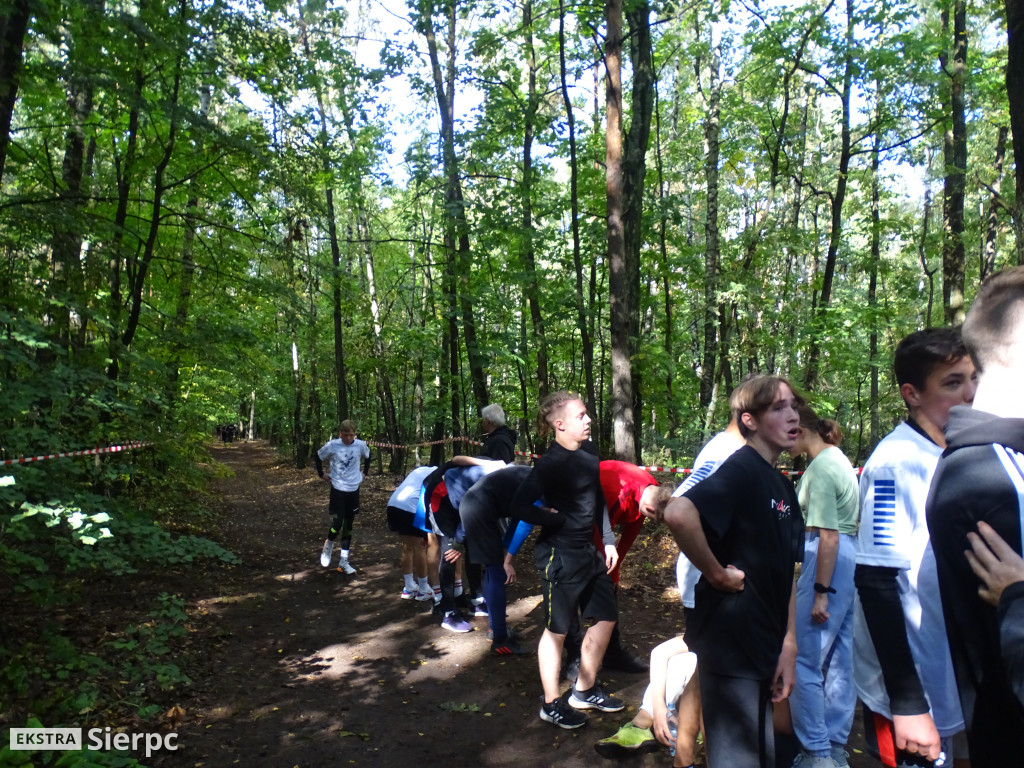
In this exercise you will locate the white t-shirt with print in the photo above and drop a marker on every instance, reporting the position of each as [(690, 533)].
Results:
[(718, 449), (407, 495), (894, 533), (343, 463)]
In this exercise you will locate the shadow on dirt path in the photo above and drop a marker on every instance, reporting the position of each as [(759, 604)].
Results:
[(296, 665)]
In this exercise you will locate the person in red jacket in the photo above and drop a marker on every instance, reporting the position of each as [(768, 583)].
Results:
[(631, 494)]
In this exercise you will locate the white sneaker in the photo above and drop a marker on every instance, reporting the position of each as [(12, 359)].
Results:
[(807, 760), (344, 567), (325, 555), (422, 597)]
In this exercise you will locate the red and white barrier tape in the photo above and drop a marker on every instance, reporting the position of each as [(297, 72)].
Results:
[(527, 454), (87, 452)]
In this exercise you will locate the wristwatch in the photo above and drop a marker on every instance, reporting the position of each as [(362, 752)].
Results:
[(821, 589)]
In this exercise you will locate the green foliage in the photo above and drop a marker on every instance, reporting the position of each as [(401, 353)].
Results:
[(146, 648)]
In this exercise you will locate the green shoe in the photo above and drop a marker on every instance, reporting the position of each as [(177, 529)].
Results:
[(628, 740)]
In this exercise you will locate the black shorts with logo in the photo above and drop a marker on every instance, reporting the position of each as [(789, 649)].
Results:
[(574, 579)]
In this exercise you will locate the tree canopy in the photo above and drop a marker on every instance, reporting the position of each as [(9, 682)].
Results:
[(203, 219)]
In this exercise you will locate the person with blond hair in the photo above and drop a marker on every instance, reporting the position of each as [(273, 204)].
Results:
[(345, 474), (574, 574)]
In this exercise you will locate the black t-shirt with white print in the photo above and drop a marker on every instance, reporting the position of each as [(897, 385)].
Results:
[(751, 518)]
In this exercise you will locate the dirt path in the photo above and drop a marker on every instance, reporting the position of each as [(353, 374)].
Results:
[(299, 666)]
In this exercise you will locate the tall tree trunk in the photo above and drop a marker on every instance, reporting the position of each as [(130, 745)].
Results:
[(340, 373), (581, 307), (623, 437), (455, 208), (955, 154), (529, 259), (712, 93), (383, 381), (13, 28), (67, 240), (668, 336), (124, 168), (188, 264), (297, 395), (988, 249), (1015, 96), (836, 229), (922, 252), (634, 170), (876, 258), (138, 268)]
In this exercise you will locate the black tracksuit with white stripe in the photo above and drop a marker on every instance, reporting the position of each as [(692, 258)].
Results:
[(981, 477)]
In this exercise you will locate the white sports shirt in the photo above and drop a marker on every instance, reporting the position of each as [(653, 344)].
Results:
[(343, 463), (407, 495), (894, 533), (718, 449)]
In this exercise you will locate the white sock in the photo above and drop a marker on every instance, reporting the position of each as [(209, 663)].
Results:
[(458, 587), (424, 586), (410, 583), (344, 554), (437, 594)]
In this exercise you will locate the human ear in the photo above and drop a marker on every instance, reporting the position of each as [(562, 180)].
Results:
[(910, 395), (749, 421)]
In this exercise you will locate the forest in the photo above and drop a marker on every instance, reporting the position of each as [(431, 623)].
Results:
[(284, 214)]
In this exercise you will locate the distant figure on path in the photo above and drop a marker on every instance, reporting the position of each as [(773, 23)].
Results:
[(342, 456)]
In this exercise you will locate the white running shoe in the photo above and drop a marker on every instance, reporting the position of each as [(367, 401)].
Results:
[(422, 597), (325, 555), (344, 567)]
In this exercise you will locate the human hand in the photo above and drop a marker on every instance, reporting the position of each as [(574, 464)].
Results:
[(785, 671), (729, 579), (917, 734), (611, 557), (510, 572), (819, 611), (451, 555), (994, 562), (660, 726)]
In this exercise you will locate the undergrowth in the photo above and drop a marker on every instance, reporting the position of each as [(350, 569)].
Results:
[(80, 643)]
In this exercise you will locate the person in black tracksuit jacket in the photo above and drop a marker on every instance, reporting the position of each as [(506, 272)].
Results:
[(499, 440), (980, 479)]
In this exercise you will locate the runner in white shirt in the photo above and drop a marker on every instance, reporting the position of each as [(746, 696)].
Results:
[(903, 670), (345, 474)]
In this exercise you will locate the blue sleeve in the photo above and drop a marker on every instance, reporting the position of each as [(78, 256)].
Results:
[(420, 518), (515, 536)]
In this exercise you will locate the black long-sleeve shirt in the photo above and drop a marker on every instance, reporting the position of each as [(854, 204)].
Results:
[(570, 483)]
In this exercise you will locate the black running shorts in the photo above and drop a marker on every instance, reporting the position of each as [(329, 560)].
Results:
[(574, 580)]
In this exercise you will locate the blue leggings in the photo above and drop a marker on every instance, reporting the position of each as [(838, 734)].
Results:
[(494, 594)]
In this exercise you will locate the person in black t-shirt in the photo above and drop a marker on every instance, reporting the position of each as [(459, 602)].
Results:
[(742, 528), (574, 575)]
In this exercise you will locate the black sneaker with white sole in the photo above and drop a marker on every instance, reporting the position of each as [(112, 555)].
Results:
[(562, 715), (595, 698)]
